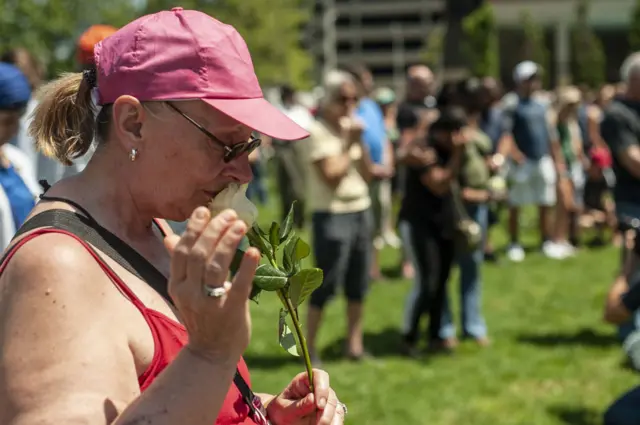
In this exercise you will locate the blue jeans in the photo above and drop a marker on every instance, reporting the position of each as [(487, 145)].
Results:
[(473, 324)]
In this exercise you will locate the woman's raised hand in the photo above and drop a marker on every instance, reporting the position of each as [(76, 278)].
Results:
[(214, 310)]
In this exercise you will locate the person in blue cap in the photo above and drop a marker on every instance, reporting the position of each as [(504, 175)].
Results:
[(18, 188)]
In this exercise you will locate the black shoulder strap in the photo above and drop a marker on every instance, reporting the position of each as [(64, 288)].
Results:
[(90, 231), (105, 241)]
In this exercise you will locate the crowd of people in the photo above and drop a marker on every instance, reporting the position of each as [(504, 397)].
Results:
[(453, 157)]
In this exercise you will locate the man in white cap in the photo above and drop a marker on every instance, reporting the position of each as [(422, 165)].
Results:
[(532, 144)]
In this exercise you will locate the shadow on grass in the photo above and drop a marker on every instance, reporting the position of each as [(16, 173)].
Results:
[(392, 272), (270, 361), (385, 343), (576, 415), (586, 337)]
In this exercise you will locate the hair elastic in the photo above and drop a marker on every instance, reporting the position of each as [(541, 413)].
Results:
[(89, 75)]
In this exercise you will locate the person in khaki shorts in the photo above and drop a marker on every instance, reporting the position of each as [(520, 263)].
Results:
[(532, 145), (339, 171)]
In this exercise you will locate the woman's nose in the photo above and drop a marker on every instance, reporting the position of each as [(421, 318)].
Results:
[(239, 170)]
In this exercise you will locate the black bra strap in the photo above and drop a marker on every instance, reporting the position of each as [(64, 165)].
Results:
[(114, 247)]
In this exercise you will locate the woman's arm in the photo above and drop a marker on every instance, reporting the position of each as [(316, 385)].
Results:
[(334, 168), (66, 355), (615, 311), (438, 178), (475, 196)]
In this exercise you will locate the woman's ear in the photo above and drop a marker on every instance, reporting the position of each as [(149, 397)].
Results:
[(129, 116)]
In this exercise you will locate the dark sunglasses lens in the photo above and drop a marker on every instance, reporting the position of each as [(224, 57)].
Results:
[(241, 148)]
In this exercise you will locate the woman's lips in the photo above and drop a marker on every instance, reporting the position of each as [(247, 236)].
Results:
[(212, 195)]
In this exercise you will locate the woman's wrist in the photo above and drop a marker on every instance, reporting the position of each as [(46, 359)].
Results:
[(216, 361)]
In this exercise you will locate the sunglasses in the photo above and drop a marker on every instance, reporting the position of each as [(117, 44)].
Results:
[(230, 152), (345, 100)]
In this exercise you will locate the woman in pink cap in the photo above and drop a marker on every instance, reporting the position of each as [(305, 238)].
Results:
[(105, 315)]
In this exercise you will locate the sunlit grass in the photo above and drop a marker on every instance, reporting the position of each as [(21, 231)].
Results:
[(552, 360)]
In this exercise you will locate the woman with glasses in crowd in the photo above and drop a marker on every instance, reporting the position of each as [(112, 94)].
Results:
[(339, 169), (107, 315)]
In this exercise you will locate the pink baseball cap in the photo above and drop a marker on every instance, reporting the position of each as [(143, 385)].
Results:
[(186, 54)]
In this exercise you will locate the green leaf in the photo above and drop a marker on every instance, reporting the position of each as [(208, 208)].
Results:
[(255, 294), (302, 250), (303, 283), (269, 278), (274, 235), (239, 255), (289, 259), (257, 241), (287, 224), (286, 338)]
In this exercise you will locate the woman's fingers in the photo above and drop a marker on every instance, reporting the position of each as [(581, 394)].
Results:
[(181, 248), (338, 418), (329, 411), (205, 246), (321, 387), (217, 268)]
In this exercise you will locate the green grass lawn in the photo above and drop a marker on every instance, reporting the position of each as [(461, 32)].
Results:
[(552, 360)]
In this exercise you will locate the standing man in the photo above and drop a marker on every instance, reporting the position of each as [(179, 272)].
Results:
[(530, 140), (380, 149), (620, 129)]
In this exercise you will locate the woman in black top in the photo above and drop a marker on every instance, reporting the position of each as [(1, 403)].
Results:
[(427, 216)]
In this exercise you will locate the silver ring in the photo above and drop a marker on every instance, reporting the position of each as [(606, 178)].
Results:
[(215, 292), (344, 408)]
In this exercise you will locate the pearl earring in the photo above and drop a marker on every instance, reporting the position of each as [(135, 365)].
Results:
[(133, 154)]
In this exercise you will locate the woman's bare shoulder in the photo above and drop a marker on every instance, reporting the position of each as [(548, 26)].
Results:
[(60, 353), (48, 267)]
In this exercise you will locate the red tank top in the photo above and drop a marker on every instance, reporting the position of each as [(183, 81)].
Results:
[(169, 337)]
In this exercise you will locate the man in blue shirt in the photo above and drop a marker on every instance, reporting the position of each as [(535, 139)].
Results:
[(380, 149), (532, 144)]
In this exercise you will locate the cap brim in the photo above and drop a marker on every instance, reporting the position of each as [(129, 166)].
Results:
[(261, 116)]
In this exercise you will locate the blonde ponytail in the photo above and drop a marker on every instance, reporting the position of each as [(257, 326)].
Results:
[(63, 124)]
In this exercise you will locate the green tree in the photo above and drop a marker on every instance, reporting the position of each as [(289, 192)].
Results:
[(481, 44), (434, 47), (589, 60), (534, 45), (634, 29), (272, 29), (49, 28)]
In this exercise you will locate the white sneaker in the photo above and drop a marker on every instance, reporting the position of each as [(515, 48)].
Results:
[(554, 250), (570, 249), (515, 253)]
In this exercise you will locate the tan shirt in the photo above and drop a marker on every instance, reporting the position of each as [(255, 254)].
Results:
[(352, 194)]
